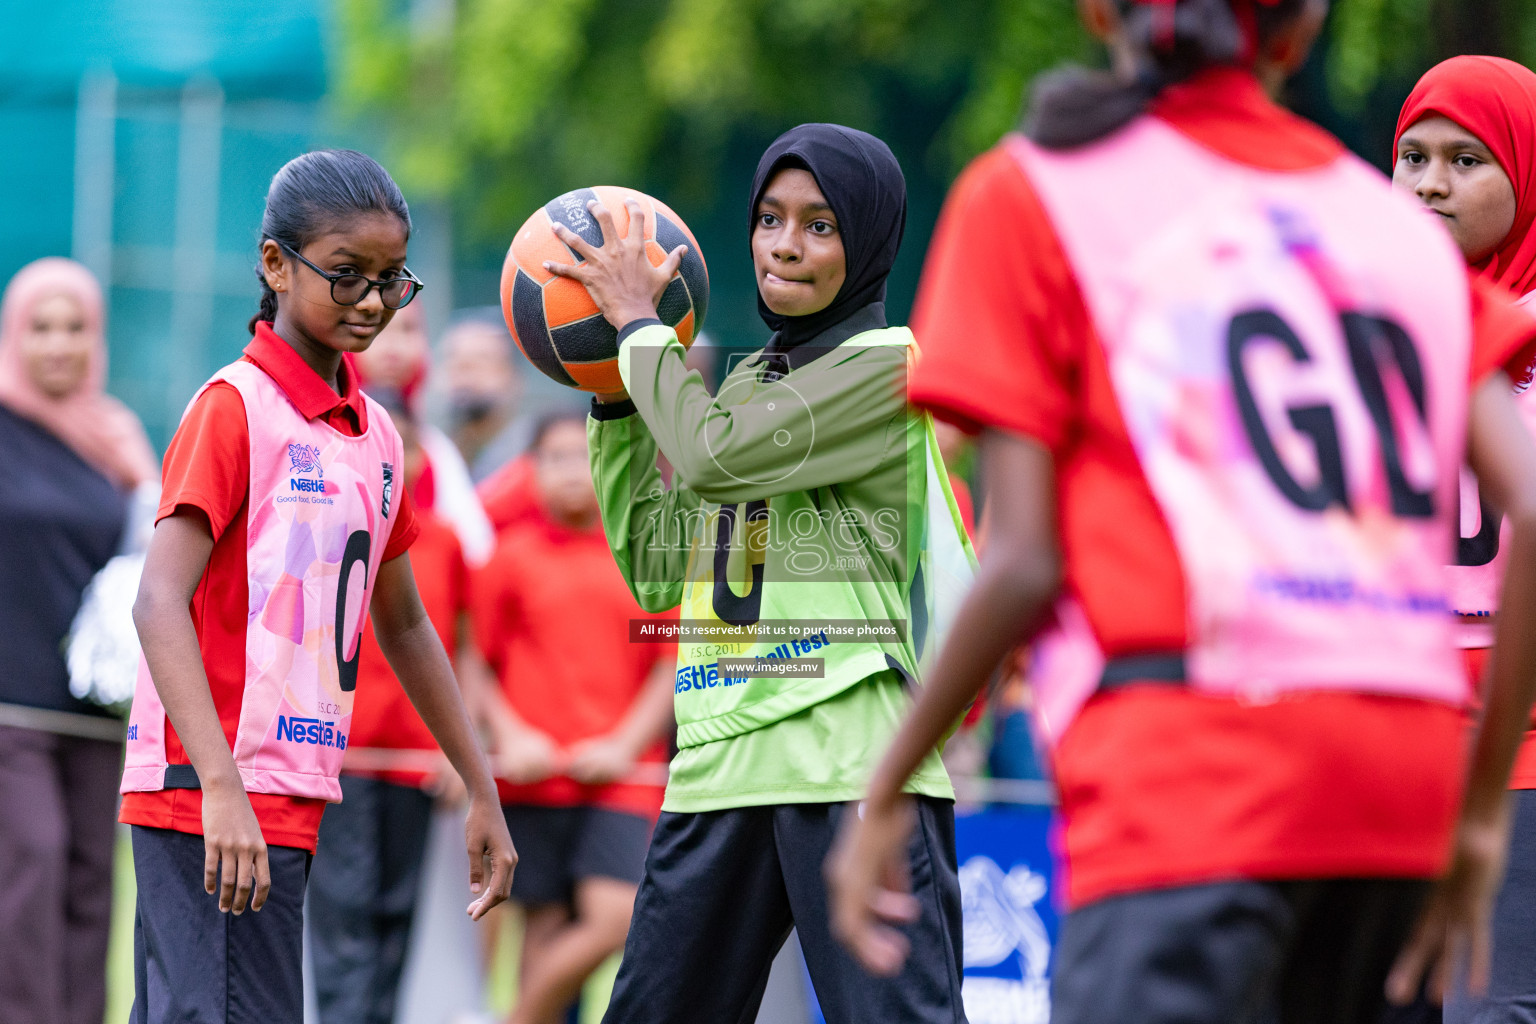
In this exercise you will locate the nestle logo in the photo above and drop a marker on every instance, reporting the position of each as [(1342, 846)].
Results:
[(310, 730), (304, 458), (298, 483)]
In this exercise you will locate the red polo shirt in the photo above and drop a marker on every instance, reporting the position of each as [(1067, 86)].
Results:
[(510, 495), (552, 614), (208, 469), (1161, 786)]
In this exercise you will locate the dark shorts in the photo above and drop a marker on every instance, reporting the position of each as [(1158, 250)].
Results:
[(559, 846), (722, 890), (1243, 952), (195, 965)]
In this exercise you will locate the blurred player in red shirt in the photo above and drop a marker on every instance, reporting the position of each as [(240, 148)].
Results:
[(1247, 682), (577, 723), (510, 495)]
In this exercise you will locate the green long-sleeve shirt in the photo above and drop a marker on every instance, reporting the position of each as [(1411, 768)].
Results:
[(793, 498)]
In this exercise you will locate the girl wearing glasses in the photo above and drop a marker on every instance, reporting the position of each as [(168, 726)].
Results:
[(284, 522)]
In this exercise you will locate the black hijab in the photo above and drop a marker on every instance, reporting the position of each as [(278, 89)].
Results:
[(864, 186)]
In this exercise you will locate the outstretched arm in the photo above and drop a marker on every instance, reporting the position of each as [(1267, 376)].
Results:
[(410, 643), (1457, 922), (1019, 575)]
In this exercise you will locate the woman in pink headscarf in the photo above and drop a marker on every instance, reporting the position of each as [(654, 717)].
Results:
[(69, 457), (53, 369)]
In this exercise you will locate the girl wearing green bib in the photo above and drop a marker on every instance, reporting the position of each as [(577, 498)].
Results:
[(799, 535)]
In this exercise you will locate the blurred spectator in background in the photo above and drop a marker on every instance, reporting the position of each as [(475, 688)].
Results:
[(483, 388), (511, 494), (577, 724), (399, 360), (366, 875), (70, 455), (1013, 754), (483, 392)]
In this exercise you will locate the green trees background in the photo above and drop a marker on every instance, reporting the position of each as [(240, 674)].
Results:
[(491, 107)]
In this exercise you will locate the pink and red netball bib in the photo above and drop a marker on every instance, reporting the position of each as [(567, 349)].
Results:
[(319, 516), (1290, 354)]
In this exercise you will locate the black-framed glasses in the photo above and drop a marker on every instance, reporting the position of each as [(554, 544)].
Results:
[(350, 289)]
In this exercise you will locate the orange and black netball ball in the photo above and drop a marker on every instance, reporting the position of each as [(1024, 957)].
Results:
[(553, 319)]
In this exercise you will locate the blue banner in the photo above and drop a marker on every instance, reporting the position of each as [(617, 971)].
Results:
[(1008, 899), (1007, 882)]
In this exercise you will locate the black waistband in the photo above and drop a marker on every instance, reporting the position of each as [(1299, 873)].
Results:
[(181, 776), (1143, 668)]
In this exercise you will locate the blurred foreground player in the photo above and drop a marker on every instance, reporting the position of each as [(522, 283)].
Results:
[(1222, 375)]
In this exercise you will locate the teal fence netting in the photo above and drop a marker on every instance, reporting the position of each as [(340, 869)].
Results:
[(140, 139)]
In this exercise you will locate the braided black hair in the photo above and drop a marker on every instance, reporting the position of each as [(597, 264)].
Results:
[(1075, 106)]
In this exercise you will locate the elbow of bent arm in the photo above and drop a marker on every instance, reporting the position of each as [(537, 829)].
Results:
[(656, 599), (718, 483), (1042, 577), (1028, 579), (704, 475), (1520, 512), (719, 463), (148, 606)]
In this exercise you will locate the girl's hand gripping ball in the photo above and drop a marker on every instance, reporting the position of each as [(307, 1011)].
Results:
[(586, 264)]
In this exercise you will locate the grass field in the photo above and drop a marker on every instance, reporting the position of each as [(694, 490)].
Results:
[(500, 993), (120, 951)]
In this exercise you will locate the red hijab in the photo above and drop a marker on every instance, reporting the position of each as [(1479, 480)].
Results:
[(1494, 99), (100, 429)]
